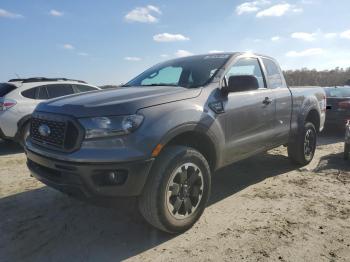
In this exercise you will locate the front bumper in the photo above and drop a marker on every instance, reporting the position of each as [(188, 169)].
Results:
[(79, 179)]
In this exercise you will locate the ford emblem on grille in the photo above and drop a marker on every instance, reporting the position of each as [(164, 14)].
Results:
[(44, 130)]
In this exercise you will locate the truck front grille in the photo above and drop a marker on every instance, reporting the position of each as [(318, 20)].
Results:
[(55, 132)]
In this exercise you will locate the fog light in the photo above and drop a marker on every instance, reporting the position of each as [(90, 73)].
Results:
[(111, 177)]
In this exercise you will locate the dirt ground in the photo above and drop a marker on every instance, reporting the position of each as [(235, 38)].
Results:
[(261, 209)]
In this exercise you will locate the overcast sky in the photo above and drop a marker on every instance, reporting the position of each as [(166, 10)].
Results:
[(108, 42)]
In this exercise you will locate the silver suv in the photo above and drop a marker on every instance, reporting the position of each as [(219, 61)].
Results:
[(19, 97)]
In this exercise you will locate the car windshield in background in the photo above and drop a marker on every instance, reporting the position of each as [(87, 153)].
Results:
[(187, 72), (6, 88), (338, 92)]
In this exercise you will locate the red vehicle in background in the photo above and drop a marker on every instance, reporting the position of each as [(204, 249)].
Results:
[(338, 107)]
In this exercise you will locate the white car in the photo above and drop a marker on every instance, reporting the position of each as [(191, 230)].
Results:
[(19, 97)]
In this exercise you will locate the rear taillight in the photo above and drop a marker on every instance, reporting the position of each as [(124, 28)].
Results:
[(344, 105), (6, 104)]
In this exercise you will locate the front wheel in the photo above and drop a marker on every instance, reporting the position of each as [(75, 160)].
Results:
[(177, 190), (302, 150)]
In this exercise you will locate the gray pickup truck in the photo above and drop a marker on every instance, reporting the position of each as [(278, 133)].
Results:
[(161, 136)]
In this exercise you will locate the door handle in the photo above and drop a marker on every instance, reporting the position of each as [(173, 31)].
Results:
[(267, 101)]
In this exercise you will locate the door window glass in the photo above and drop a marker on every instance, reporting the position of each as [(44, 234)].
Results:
[(59, 90), (273, 73), (30, 93), (247, 66), (43, 93)]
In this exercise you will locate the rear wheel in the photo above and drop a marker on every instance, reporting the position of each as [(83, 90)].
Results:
[(302, 150), (177, 191)]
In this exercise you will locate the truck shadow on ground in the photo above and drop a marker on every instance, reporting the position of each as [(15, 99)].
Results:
[(9, 148), (333, 164), (331, 136), (45, 225)]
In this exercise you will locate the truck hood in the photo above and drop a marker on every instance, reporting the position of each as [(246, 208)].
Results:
[(121, 101)]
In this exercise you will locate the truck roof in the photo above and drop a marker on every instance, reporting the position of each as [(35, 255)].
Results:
[(228, 54)]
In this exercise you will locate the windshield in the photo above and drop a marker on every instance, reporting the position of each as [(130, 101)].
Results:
[(187, 72), (338, 92)]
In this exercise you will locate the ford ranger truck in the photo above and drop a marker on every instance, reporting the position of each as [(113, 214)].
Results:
[(163, 135)]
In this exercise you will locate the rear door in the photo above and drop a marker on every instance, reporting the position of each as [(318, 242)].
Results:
[(283, 101), (249, 118), (27, 105)]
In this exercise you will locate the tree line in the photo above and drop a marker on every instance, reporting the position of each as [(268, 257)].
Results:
[(307, 77)]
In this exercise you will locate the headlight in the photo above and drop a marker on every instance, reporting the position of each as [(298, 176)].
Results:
[(110, 126)]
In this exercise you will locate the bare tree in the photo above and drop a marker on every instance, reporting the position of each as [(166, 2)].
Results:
[(307, 77)]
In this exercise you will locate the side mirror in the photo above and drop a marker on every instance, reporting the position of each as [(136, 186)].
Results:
[(241, 83)]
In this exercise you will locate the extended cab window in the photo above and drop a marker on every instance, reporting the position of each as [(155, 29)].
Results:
[(273, 73), (58, 90), (247, 66)]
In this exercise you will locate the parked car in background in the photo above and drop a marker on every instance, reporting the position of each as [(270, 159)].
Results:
[(161, 136), (347, 141), (19, 97), (338, 107)]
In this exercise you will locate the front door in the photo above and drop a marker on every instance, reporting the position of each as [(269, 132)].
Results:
[(249, 114)]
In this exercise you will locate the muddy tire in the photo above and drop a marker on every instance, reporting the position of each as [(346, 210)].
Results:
[(177, 189), (302, 150)]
